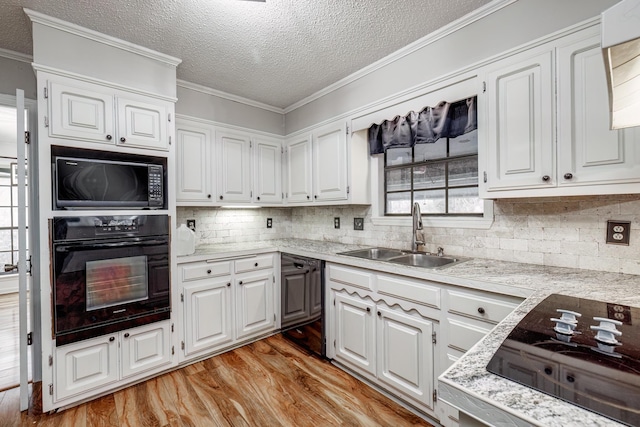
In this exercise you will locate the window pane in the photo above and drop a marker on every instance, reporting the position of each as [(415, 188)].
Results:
[(5, 258), (5, 217), (431, 202), (399, 179), (429, 176), (464, 144), (465, 201), (5, 196), (463, 172), (399, 203), (5, 175), (398, 156), (437, 150), (5, 240)]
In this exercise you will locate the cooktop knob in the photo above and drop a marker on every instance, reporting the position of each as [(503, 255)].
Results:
[(607, 333)]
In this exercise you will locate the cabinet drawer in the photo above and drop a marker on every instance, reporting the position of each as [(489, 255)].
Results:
[(463, 336), (202, 270), (254, 263), (350, 276), (414, 290), (482, 305)]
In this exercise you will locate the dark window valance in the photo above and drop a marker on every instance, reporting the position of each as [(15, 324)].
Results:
[(447, 119)]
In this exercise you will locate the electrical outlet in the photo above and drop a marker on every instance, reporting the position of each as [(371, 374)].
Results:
[(269, 222), (358, 223), (618, 232), (191, 223), (336, 222)]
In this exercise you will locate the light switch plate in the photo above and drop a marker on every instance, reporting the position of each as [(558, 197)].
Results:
[(358, 223), (618, 232)]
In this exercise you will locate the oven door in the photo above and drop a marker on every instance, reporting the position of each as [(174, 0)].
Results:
[(105, 282)]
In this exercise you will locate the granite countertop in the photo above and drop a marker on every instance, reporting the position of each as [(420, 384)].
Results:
[(467, 384)]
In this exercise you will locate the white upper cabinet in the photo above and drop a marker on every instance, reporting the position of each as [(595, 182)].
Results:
[(216, 166), (267, 170), (142, 125), (233, 166), (91, 112), (327, 166), (193, 157), (330, 163), (519, 128), (544, 124), (299, 177)]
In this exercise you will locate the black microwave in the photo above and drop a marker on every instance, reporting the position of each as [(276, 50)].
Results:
[(99, 180)]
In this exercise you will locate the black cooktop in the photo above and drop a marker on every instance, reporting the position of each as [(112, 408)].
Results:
[(583, 351)]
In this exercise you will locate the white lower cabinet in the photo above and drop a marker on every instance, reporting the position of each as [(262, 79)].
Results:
[(226, 302), (87, 365), (401, 333)]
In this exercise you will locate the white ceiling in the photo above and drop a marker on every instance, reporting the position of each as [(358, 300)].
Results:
[(276, 53)]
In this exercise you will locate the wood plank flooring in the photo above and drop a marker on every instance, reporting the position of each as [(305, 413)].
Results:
[(267, 383), (9, 341)]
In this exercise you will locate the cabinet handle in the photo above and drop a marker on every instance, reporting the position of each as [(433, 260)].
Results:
[(255, 265), (126, 335), (368, 309), (208, 196), (548, 370), (209, 271), (308, 197), (379, 313), (240, 282), (258, 198), (571, 378), (546, 178), (568, 175), (315, 197), (109, 137), (112, 339), (480, 310), (123, 139), (228, 284), (221, 197)]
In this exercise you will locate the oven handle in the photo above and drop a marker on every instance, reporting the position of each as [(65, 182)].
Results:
[(108, 245)]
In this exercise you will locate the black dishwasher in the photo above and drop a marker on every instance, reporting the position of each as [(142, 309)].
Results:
[(302, 302)]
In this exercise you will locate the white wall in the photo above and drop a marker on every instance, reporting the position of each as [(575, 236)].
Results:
[(15, 74), (514, 25)]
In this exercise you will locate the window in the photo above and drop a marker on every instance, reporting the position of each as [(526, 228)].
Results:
[(8, 213), (442, 177)]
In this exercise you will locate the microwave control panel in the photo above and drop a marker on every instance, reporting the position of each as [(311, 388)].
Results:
[(156, 178)]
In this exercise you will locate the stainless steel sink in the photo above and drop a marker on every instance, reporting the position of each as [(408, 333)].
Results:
[(397, 256), (423, 260), (375, 253)]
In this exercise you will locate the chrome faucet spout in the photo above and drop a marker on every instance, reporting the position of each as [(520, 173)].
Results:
[(417, 226)]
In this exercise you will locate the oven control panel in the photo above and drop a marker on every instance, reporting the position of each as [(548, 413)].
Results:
[(113, 225)]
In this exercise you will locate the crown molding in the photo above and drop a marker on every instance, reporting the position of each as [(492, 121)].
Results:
[(231, 97), (468, 19), (86, 33), (16, 56)]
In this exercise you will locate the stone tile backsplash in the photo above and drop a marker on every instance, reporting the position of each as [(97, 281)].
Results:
[(562, 232)]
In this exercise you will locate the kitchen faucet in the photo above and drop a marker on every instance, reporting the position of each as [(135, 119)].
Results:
[(417, 226)]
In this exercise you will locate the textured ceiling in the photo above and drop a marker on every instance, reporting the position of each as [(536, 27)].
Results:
[(276, 53)]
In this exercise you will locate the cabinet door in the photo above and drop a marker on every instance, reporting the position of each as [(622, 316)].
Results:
[(299, 170), (519, 111), (589, 152), (143, 125), (254, 304), (194, 163), (330, 163), (234, 167), (208, 315), (405, 354), (85, 365), (355, 333), (81, 111), (267, 171), (145, 348), (294, 294)]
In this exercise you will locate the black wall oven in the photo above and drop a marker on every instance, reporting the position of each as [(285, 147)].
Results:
[(110, 273)]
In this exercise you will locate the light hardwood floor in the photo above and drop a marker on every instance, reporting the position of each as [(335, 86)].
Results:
[(9, 342), (267, 383)]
